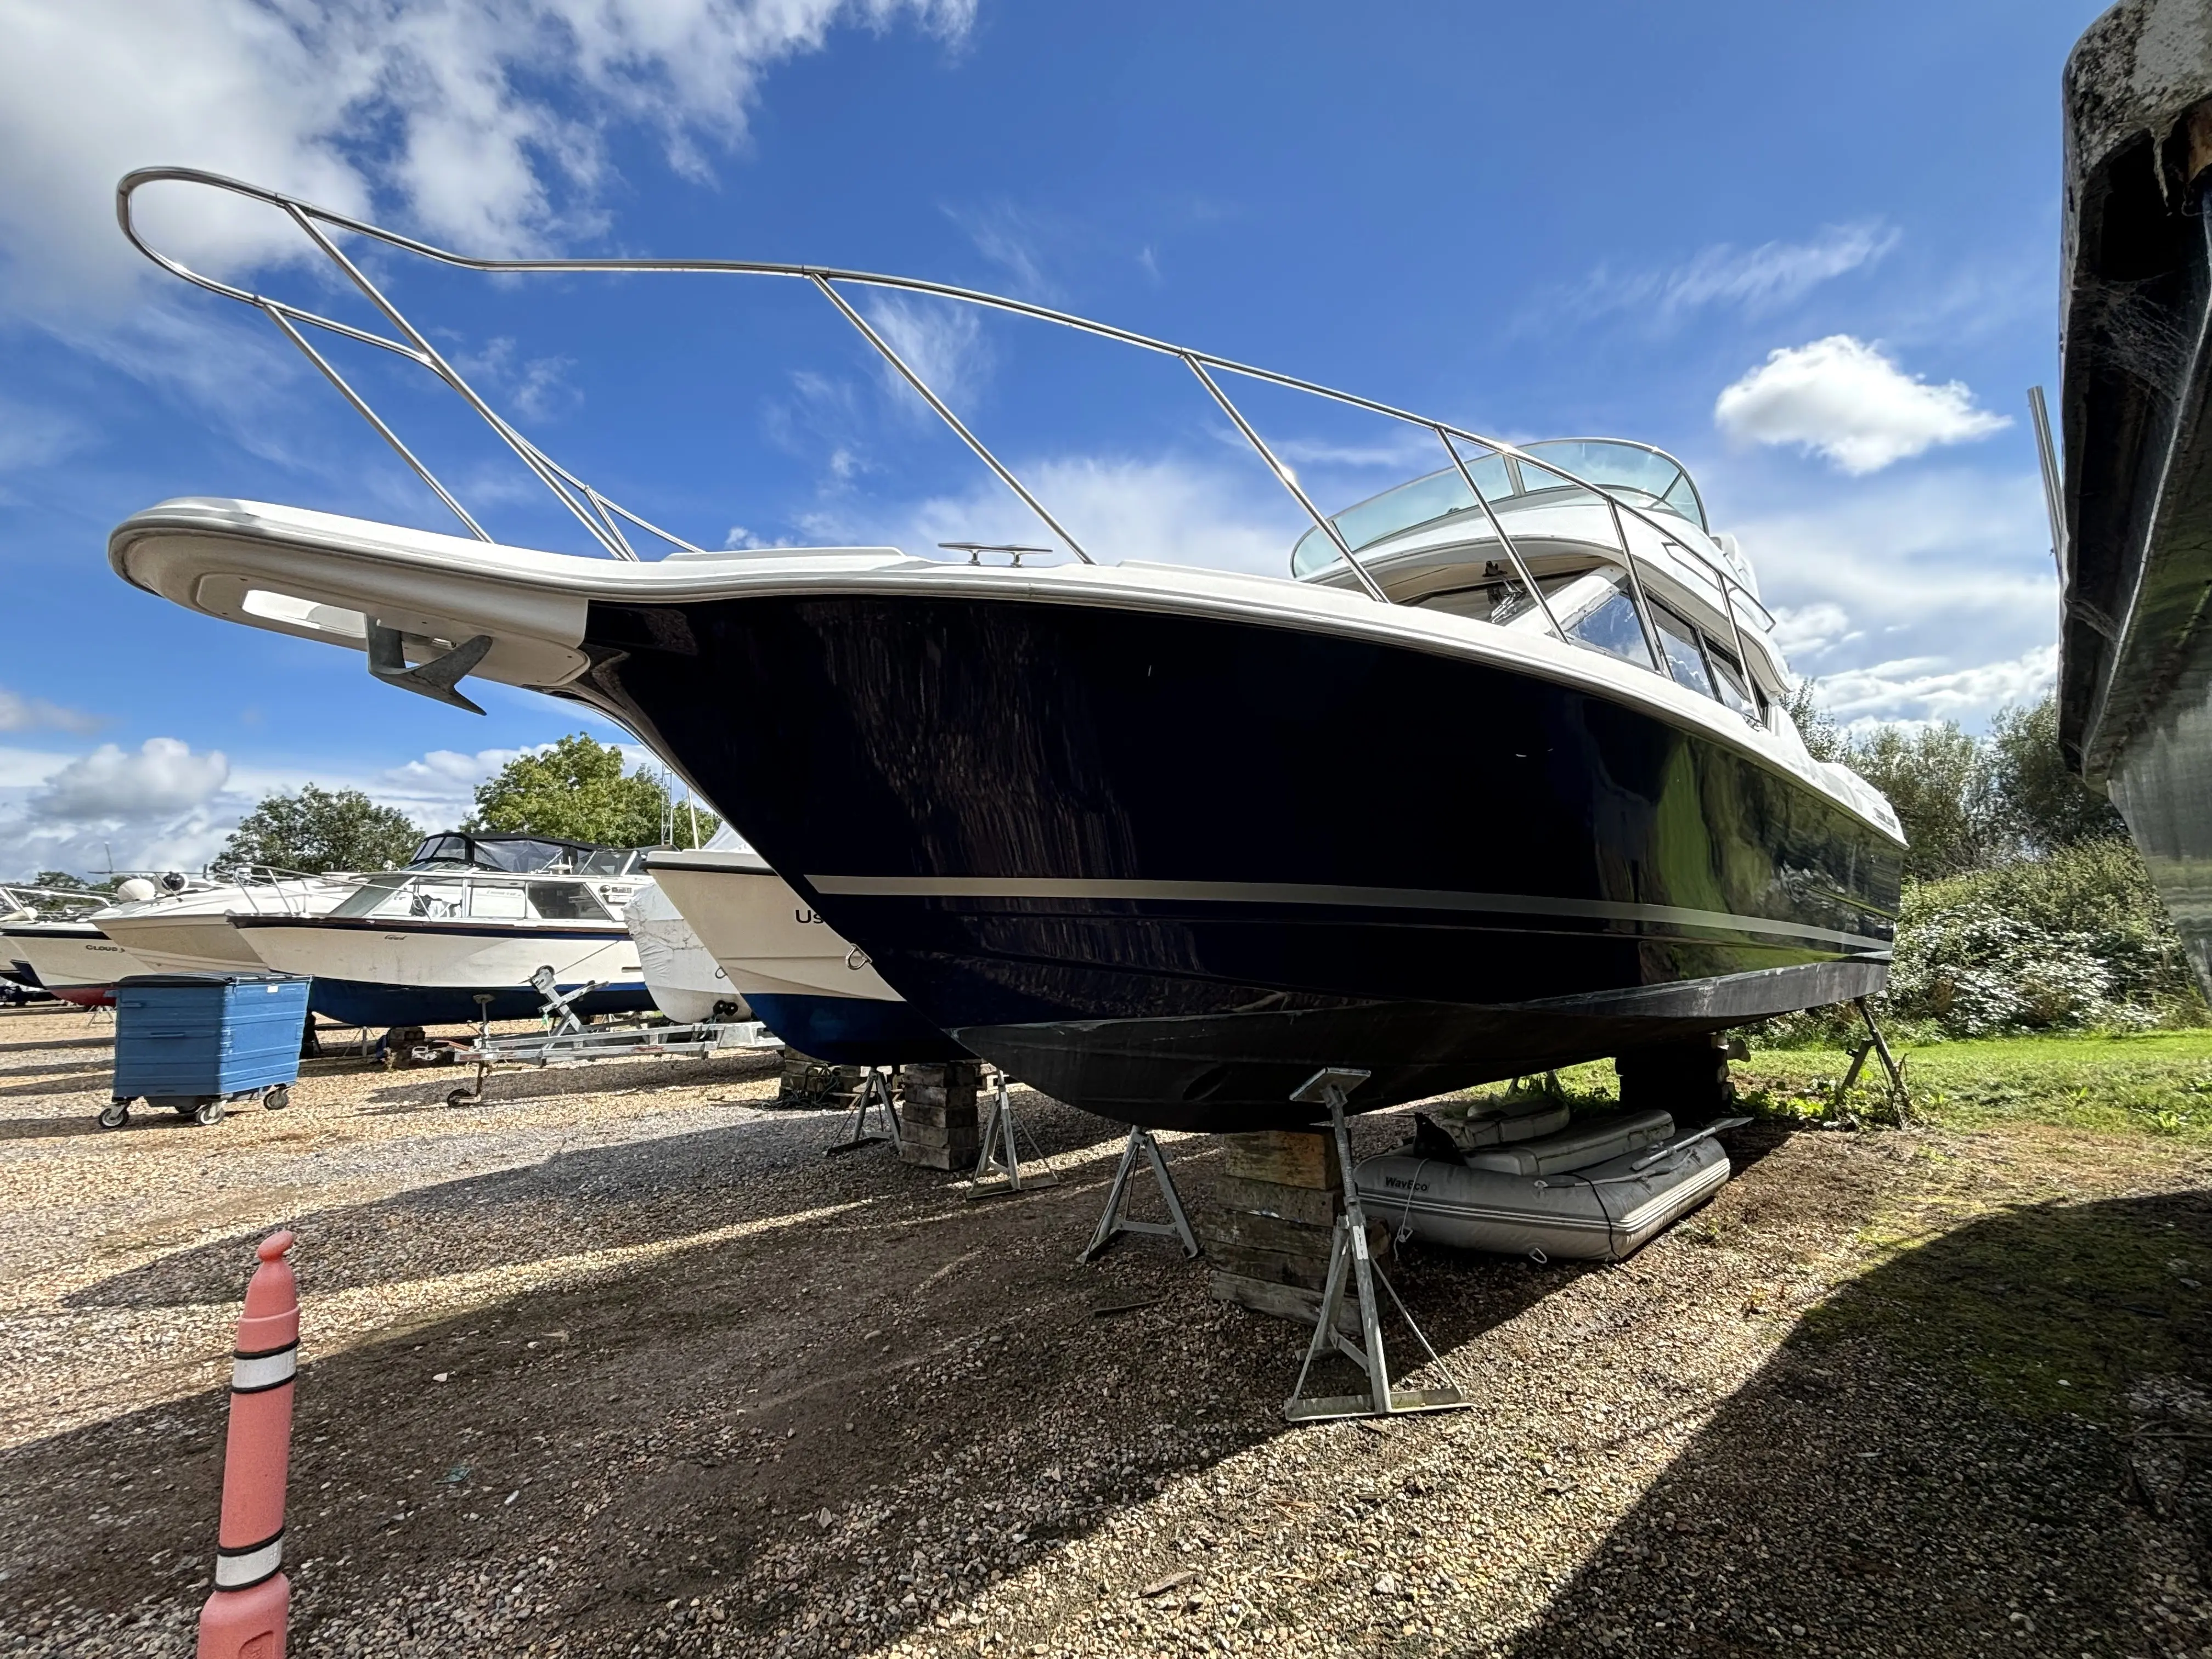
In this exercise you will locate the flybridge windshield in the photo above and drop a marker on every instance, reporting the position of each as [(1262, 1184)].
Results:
[(1643, 476), (525, 854)]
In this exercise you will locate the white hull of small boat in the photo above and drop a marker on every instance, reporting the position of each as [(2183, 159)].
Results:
[(810, 986), (1605, 1212), (190, 932), (686, 983), (74, 960)]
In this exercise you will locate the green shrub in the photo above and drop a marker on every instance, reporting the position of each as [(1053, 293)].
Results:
[(2076, 940)]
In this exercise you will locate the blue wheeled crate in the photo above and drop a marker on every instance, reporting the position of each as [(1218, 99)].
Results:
[(195, 1041)]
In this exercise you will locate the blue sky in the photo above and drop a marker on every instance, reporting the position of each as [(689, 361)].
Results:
[(1810, 249)]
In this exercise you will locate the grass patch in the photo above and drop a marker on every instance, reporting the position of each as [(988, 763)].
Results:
[(2151, 1082)]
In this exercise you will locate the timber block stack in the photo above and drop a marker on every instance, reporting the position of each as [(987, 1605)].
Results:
[(1268, 1234), (807, 1081), (938, 1124)]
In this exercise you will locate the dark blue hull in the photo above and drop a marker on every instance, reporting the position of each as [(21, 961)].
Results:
[(854, 1030), (364, 1002), (1163, 867)]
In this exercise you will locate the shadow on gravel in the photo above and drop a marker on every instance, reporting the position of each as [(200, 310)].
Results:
[(752, 1414), (2002, 1436)]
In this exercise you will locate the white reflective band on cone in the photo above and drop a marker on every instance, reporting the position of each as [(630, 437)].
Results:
[(235, 1572), (264, 1371)]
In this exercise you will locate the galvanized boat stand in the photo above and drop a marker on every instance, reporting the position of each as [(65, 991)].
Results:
[(875, 1096), (1115, 1222), (999, 1170), (1348, 1258)]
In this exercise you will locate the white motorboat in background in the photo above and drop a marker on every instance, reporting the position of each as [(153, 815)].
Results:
[(814, 990), (474, 917), (48, 943), (185, 928)]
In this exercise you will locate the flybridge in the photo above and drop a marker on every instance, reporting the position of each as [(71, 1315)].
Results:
[(1469, 454)]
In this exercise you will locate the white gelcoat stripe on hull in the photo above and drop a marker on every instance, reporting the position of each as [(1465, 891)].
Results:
[(1265, 892)]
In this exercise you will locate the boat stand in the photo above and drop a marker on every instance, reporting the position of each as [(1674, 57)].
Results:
[(1874, 1045), (874, 1097), (998, 1170), (1116, 1221), (1348, 1261)]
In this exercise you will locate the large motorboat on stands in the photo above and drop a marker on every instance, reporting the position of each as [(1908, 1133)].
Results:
[(1499, 780), (819, 992), (184, 927), (462, 931)]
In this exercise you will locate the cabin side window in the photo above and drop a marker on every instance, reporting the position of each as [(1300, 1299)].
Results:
[(1737, 690), (1612, 627), (566, 901), (1686, 658)]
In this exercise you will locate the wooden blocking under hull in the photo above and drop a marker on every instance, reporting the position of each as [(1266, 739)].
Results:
[(1285, 1157), (938, 1122), (1292, 1254), (937, 1158), (1316, 1207)]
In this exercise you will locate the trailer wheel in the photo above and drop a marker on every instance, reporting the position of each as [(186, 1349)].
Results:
[(208, 1113), (459, 1097), (278, 1097), (116, 1115)]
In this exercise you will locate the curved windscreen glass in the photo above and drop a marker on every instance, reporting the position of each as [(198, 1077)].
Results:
[(1642, 476)]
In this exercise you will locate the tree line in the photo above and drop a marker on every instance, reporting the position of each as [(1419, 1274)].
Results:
[(1968, 803)]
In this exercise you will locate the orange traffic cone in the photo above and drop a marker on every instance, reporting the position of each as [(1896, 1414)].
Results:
[(245, 1617)]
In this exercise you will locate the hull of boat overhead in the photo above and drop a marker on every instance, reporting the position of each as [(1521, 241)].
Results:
[(386, 971), (1163, 865), (806, 983), (77, 963), (2135, 656)]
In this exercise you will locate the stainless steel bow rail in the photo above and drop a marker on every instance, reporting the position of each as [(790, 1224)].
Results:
[(599, 514)]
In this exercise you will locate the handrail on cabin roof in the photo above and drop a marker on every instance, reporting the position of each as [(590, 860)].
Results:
[(598, 514)]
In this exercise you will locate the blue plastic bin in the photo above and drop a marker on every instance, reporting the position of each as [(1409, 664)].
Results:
[(195, 1041)]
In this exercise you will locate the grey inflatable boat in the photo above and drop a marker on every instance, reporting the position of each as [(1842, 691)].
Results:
[(1594, 1191)]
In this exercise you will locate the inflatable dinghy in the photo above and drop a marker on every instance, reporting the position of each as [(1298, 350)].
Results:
[(1595, 1192)]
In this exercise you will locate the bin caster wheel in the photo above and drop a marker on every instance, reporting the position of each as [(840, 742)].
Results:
[(208, 1113), (278, 1097), (115, 1116)]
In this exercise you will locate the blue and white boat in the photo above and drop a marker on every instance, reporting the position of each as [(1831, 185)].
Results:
[(473, 916), (815, 989)]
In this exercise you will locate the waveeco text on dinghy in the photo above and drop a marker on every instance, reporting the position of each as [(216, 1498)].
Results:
[(1118, 830)]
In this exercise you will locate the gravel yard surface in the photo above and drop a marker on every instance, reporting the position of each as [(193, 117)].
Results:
[(618, 1364)]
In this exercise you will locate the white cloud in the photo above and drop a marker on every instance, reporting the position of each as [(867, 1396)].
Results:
[(490, 115), (1925, 687), (1008, 238), (1163, 509), (1841, 398), (1811, 630), (21, 714), (163, 777), (1755, 280), (941, 340), (32, 438)]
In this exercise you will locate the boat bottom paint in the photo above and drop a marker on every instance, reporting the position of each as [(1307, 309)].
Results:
[(1227, 1072), (369, 1004), (854, 1030)]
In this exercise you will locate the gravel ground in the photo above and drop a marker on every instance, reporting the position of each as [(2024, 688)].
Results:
[(619, 1363)]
